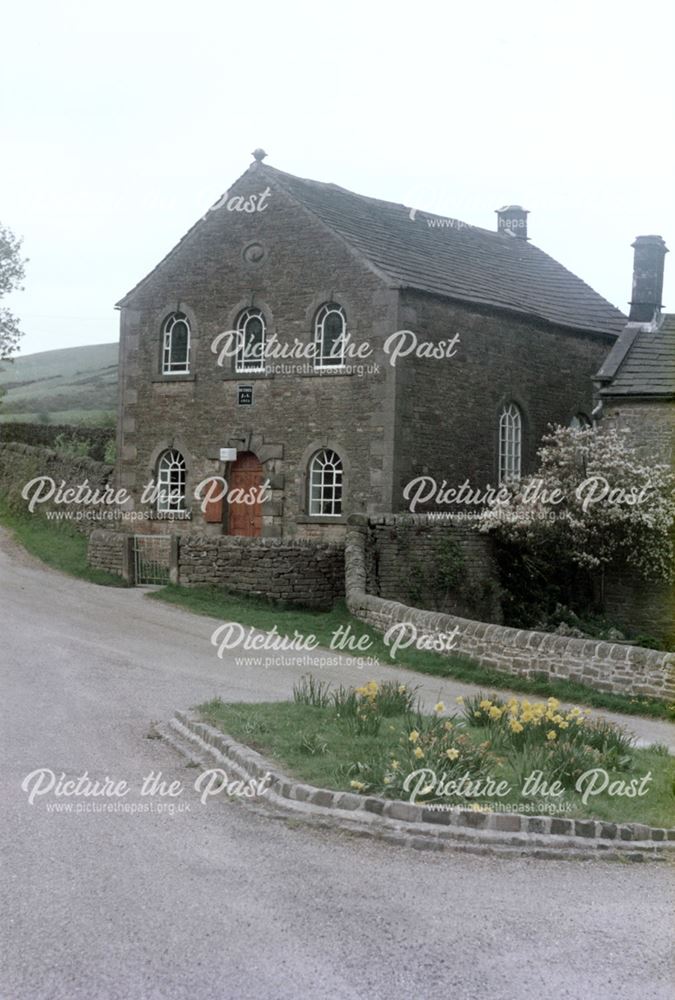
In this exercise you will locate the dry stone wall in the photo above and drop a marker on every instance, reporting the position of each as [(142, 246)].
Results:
[(605, 666)]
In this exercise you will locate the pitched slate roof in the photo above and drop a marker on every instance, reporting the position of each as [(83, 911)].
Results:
[(453, 259), (443, 256), (642, 361)]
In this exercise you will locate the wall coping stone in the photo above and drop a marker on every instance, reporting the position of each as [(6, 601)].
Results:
[(561, 656)]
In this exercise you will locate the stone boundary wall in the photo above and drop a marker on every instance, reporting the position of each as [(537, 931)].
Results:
[(294, 571), (109, 551), (605, 666), (405, 552), (19, 463), (45, 435)]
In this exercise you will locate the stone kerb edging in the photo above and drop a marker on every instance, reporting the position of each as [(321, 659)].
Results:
[(418, 825), (605, 666)]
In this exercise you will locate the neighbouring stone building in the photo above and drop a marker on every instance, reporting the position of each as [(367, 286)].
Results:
[(636, 383), (284, 262), (636, 392)]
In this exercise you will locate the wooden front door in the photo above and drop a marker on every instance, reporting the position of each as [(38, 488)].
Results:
[(244, 480)]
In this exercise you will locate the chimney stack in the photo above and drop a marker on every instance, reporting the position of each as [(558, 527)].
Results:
[(650, 253), (513, 219)]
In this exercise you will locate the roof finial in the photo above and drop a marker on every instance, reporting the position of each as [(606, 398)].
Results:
[(259, 154)]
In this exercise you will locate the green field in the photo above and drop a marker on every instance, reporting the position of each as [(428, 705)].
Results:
[(71, 385)]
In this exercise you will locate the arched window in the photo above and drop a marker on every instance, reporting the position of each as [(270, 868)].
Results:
[(250, 355), (510, 443), (171, 482), (325, 484), (580, 422), (176, 345), (330, 329)]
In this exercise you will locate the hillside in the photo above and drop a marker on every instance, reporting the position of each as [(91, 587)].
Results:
[(71, 385)]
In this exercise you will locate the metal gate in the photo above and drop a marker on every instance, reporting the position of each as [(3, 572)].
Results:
[(152, 556)]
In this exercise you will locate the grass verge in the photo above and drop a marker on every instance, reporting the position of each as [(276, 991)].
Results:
[(314, 745), (56, 543), (258, 613)]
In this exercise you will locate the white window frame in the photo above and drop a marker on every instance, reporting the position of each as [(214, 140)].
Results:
[(510, 443), (326, 482), (171, 482), (170, 367), (325, 360), (242, 364)]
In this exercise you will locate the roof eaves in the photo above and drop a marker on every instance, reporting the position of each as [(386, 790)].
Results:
[(513, 310)]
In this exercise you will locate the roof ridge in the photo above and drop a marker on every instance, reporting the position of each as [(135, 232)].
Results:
[(383, 201), (455, 260)]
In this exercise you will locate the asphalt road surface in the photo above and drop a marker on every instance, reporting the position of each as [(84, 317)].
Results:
[(221, 901)]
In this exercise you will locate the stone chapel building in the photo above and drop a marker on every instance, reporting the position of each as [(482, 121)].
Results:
[(334, 427)]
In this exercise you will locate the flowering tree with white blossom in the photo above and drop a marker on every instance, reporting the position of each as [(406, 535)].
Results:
[(594, 499)]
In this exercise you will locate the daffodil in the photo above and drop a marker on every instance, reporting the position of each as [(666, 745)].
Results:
[(495, 713), (452, 753), (358, 785), (459, 700), (419, 752), (485, 704), (551, 735), (515, 726), (414, 736), (439, 707)]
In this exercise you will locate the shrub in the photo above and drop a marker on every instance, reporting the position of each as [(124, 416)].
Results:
[(611, 506), (110, 452), (73, 447)]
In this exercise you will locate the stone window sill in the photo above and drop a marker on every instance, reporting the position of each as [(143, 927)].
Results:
[(305, 519), (174, 378)]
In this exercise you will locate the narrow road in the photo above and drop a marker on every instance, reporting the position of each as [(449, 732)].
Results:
[(224, 902)]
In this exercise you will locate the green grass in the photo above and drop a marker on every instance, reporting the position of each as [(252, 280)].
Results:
[(57, 544), (69, 385), (217, 603), (313, 745)]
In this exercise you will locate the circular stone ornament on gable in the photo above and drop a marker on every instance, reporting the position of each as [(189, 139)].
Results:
[(254, 253)]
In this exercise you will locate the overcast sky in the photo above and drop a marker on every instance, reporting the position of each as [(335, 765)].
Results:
[(122, 123)]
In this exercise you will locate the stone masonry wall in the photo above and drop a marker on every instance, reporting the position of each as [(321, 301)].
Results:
[(629, 600), (296, 571), (406, 557), (652, 425), (106, 551), (97, 438), (20, 463), (605, 666), (211, 277), (447, 413)]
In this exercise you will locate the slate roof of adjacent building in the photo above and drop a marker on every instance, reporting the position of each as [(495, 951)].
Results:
[(445, 257), (642, 361)]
